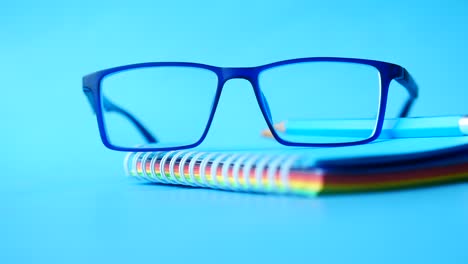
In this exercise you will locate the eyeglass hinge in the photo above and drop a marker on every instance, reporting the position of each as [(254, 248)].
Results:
[(89, 95)]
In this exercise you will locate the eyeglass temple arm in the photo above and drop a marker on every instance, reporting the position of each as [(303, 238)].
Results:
[(406, 127), (408, 82), (112, 107)]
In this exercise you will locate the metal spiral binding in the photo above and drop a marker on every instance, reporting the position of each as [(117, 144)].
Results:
[(236, 169), (225, 171), (203, 165), (273, 167), (246, 171), (150, 177), (182, 168), (174, 179), (252, 166), (153, 169), (162, 165), (192, 164), (214, 170)]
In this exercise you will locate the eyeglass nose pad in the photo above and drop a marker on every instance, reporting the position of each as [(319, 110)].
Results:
[(266, 106)]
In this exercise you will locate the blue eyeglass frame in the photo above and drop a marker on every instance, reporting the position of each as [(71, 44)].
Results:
[(387, 72)]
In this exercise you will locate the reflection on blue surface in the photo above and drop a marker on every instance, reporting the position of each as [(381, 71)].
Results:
[(63, 195)]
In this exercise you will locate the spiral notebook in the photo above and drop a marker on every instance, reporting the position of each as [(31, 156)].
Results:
[(299, 172)]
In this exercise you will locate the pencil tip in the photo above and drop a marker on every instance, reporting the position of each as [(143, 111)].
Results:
[(267, 133), (280, 127)]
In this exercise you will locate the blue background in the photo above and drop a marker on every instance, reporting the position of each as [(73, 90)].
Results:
[(63, 196)]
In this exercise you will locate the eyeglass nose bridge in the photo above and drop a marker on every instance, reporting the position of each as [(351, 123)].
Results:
[(247, 73), (250, 74)]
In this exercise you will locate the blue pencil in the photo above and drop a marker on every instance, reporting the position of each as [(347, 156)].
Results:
[(409, 127)]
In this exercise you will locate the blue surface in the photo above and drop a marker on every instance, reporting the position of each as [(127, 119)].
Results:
[(63, 196)]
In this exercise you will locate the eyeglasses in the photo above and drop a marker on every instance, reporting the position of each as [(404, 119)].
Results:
[(317, 102)]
